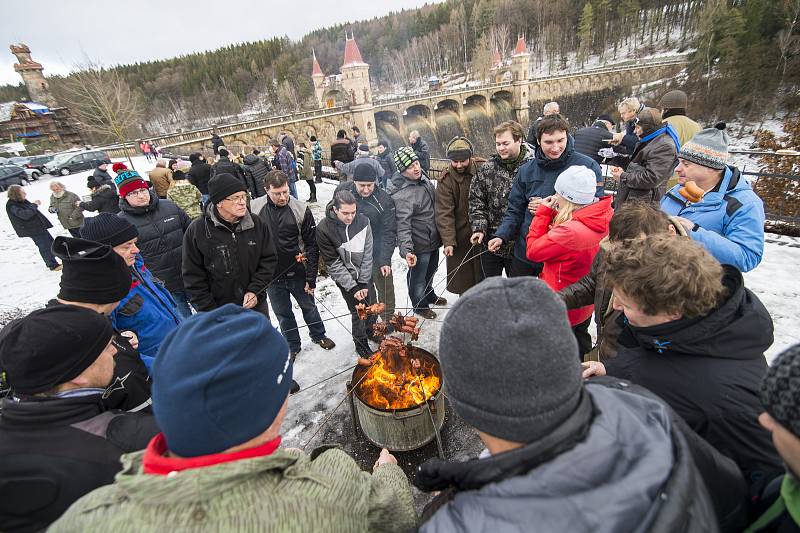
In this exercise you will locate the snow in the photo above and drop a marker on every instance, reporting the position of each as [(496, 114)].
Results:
[(28, 284)]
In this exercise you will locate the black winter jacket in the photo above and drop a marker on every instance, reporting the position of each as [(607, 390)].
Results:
[(102, 176), (380, 210), (255, 173), (588, 141), (226, 166), (104, 200), (26, 219), (288, 235), (423, 152), (55, 450), (216, 142), (221, 261), (161, 226), (709, 369), (386, 159), (199, 174), (341, 151)]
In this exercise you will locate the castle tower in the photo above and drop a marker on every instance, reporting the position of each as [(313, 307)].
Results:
[(355, 74), (319, 78), (31, 72), (520, 68)]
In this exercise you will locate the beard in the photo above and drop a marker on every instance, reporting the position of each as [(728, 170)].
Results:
[(59, 194)]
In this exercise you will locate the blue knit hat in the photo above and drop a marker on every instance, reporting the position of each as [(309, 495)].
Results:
[(219, 380)]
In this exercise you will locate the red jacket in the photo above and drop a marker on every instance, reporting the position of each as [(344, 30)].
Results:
[(567, 250)]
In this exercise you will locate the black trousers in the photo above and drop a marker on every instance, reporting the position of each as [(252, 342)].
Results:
[(75, 232), (494, 264), (581, 332)]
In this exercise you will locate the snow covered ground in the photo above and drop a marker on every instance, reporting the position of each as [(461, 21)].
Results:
[(28, 284)]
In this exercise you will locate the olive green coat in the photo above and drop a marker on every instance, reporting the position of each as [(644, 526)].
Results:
[(69, 216)]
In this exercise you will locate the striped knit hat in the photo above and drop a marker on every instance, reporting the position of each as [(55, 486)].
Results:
[(708, 148), (404, 157), (128, 181)]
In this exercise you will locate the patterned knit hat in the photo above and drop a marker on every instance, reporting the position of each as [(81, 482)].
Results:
[(780, 389), (118, 166), (708, 148), (128, 181), (404, 157), (459, 149)]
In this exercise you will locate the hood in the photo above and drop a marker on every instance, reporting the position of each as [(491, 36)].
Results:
[(251, 159), (740, 328), (128, 208), (42, 411), (340, 141), (596, 216), (544, 162), (330, 215)]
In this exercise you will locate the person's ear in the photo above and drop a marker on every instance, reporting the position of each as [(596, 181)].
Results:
[(672, 230)]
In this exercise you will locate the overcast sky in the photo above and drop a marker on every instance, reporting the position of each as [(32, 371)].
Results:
[(61, 33)]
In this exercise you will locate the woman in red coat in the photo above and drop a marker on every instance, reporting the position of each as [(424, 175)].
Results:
[(565, 235)]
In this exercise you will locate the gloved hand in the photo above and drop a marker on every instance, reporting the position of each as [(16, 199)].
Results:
[(607, 153), (53, 209)]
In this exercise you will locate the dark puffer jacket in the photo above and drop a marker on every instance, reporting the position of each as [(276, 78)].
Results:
[(617, 464), (161, 226), (709, 369), (589, 141), (104, 200), (55, 450), (199, 175), (341, 151), (255, 174), (226, 166), (26, 219), (380, 210)]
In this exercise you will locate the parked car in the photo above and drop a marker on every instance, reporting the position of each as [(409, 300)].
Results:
[(39, 161), (69, 162), (11, 175)]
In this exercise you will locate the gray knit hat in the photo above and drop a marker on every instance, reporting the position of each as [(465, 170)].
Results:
[(674, 100), (708, 148), (780, 389), (510, 360)]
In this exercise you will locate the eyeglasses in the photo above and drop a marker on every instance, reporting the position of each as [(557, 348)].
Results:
[(138, 192), (240, 199)]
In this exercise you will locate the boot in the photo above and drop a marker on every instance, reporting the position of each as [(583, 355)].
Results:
[(312, 199)]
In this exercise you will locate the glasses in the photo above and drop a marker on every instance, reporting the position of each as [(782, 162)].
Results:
[(241, 199), (138, 192)]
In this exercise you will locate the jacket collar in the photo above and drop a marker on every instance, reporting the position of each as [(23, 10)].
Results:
[(48, 411), (543, 161), (244, 224), (156, 461)]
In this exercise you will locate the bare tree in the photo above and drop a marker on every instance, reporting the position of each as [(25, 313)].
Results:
[(104, 103)]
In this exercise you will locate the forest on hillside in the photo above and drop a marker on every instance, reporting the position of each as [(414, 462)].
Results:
[(744, 60)]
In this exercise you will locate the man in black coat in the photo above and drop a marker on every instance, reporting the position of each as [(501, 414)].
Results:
[(216, 142), (386, 158), (421, 149), (589, 141), (102, 176), (57, 440), (225, 166), (199, 174), (228, 254), (255, 173), (161, 225), (104, 197)]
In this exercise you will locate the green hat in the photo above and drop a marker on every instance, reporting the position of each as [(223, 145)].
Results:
[(404, 157)]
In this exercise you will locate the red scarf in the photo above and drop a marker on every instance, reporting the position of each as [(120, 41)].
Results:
[(155, 460)]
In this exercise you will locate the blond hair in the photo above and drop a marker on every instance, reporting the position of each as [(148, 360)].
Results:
[(631, 104), (16, 193), (565, 210), (514, 127)]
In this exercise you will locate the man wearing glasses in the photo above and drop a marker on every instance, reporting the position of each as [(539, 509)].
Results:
[(228, 255)]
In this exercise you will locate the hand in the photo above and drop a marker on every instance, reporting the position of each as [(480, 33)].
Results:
[(477, 238), (593, 368), (616, 138), (133, 340), (250, 300), (533, 204), (37, 202), (607, 153), (616, 172), (309, 289), (385, 458), (448, 251), (337, 164), (77, 203), (495, 244), (361, 295), (550, 202), (386, 271), (411, 259), (686, 223)]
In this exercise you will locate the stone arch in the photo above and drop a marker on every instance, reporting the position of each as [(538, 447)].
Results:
[(419, 110), (448, 104), (503, 95), (310, 130), (390, 117), (476, 100)]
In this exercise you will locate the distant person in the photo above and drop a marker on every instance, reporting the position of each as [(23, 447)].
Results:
[(145, 147), (285, 162), (589, 141), (386, 158), (287, 142), (63, 204), (153, 150), (316, 155), (728, 220), (101, 174), (199, 174), (625, 142), (28, 221), (224, 165), (673, 110), (362, 156), (220, 400), (341, 149), (549, 109), (104, 198), (255, 173), (305, 170), (422, 150), (161, 178), (358, 137), (216, 142), (58, 441), (652, 162), (185, 195)]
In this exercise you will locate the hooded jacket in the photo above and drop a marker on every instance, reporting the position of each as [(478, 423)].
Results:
[(104, 200), (55, 450), (161, 225), (537, 177), (102, 176), (379, 208), (347, 250), (651, 166), (255, 173), (415, 202), (341, 150), (617, 464), (567, 250), (729, 220), (26, 219), (709, 369), (69, 216), (222, 262), (199, 174), (226, 166)]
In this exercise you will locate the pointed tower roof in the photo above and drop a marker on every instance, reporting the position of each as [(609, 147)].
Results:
[(497, 60), (315, 70), (352, 55), (521, 47)]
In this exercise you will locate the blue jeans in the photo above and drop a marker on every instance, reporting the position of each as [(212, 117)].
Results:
[(279, 293), (181, 303), (420, 280), (293, 188), (43, 242)]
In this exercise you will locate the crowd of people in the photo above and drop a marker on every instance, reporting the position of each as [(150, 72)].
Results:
[(150, 393)]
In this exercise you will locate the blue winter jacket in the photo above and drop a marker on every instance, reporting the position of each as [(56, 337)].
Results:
[(729, 222), (148, 310), (537, 177)]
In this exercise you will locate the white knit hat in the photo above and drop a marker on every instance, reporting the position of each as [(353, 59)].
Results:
[(577, 184)]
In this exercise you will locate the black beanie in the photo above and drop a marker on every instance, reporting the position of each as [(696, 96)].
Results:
[(51, 346), (223, 185), (364, 171), (780, 389), (108, 229), (93, 272)]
